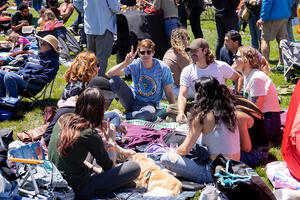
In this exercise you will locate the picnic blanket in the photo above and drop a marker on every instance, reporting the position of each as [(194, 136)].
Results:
[(154, 125), (137, 193)]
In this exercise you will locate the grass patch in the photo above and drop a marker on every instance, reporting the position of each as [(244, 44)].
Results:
[(34, 117)]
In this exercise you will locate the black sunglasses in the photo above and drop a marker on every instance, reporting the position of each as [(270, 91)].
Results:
[(148, 52)]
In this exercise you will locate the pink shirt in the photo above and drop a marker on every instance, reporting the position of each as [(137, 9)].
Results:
[(23, 40)]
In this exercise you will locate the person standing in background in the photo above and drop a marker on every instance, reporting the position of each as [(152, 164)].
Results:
[(226, 20), (100, 24), (273, 22), (195, 7), (289, 23)]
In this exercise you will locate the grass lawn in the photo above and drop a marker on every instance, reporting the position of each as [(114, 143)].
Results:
[(34, 117)]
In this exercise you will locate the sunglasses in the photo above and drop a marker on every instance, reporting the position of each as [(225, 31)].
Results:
[(25, 11), (148, 52), (42, 43)]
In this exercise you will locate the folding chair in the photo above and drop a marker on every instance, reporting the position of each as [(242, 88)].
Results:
[(291, 59), (33, 94), (40, 178)]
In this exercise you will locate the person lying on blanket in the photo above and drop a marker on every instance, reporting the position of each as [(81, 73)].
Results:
[(74, 137), (151, 77), (43, 66)]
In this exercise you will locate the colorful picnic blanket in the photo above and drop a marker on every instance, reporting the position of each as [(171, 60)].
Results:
[(153, 125)]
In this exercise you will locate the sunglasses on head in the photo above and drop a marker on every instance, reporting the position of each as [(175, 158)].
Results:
[(148, 52)]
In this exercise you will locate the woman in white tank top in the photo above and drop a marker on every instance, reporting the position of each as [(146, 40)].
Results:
[(213, 126)]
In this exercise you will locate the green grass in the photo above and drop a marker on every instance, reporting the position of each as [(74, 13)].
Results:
[(34, 117)]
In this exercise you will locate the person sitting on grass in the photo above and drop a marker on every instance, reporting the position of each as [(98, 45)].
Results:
[(21, 18), (43, 66), (150, 78), (253, 132), (213, 127), (259, 88), (75, 136), (177, 58)]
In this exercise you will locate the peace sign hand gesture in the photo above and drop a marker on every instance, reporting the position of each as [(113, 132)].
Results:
[(130, 57)]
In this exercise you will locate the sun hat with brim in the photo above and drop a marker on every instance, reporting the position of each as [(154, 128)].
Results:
[(197, 44), (51, 40), (102, 84)]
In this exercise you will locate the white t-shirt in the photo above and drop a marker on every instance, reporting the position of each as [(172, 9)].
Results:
[(218, 69), (259, 84)]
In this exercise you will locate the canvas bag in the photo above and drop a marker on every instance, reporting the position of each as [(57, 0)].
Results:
[(238, 181)]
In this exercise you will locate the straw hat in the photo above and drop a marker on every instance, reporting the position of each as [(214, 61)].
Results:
[(51, 40)]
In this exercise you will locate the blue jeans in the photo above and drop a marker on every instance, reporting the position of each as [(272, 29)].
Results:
[(170, 25), (113, 116), (135, 109), (255, 156), (290, 30), (188, 169), (254, 31), (11, 83)]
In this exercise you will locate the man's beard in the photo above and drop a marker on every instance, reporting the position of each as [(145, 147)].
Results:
[(194, 58)]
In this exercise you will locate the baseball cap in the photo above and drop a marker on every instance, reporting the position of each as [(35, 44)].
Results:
[(197, 44), (102, 84)]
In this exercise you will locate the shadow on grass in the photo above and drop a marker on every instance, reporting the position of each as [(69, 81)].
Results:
[(40, 105), (273, 62)]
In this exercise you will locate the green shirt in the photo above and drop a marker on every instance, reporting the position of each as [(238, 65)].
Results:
[(72, 167)]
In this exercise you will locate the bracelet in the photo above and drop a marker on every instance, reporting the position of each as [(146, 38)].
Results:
[(125, 64), (111, 149), (180, 112)]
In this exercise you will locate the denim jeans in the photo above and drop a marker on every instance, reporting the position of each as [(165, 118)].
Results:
[(290, 30), (113, 116), (11, 83), (135, 109), (254, 31), (255, 156), (188, 168), (170, 25)]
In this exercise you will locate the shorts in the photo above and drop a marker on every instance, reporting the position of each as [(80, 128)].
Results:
[(274, 28)]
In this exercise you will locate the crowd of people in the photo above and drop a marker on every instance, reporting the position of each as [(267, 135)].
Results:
[(81, 138)]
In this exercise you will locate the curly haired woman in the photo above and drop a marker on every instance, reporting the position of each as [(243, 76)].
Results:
[(177, 58), (82, 70), (213, 128)]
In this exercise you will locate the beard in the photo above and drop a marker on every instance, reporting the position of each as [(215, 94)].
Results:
[(194, 58)]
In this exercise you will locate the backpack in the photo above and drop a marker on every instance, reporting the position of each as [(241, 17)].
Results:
[(238, 181)]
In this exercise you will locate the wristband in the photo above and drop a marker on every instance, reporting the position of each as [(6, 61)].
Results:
[(111, 149), (125, 64)]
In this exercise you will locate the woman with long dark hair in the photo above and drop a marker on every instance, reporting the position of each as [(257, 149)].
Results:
[(212, 126), (74, 136)]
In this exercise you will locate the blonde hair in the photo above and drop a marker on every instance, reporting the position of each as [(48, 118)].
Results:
[(49, 15), (179, 41), (12, 37), (82, 68), (252, 56)]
